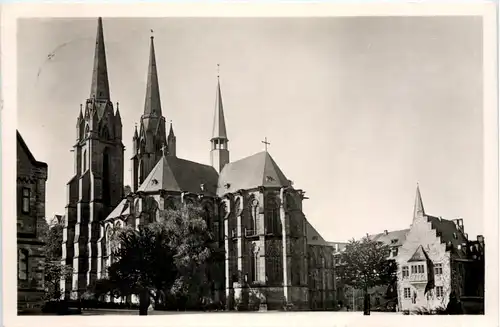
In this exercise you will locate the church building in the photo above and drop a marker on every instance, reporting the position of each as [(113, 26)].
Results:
[(251, 207)]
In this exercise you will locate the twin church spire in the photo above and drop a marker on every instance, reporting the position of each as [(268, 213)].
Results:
[(100, 84)]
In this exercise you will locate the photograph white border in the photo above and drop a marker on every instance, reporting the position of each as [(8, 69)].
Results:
[(10, 14)]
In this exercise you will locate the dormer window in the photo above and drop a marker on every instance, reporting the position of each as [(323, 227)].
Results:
[(394, 241), (455, 235), (315, 238), (202, 187)]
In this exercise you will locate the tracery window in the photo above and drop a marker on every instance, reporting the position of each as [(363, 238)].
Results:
[(254, 212), (254, 263), (273, 223), (84, 161)]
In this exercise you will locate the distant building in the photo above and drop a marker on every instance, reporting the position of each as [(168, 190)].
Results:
[(31, 179), (437, 262)]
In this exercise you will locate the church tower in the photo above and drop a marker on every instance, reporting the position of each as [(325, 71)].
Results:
[(148, 143), (219, 153), (97, 185)]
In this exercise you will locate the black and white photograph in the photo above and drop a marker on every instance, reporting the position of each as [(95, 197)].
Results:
[(258, 166)]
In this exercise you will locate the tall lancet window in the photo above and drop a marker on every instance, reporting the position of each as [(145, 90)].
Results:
[(254, 214), (273, 223), (84, 161), (109, 250), (254, 263), (141, 172), (106, 183)]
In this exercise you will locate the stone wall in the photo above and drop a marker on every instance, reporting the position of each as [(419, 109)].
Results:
[(31, 179), (422, 234)]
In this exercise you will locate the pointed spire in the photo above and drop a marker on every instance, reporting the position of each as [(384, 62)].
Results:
[(219, 128), (152, 103), (136, 135), (418, 209), (171, 131), (80, 116), (117, 114), (100, 85)]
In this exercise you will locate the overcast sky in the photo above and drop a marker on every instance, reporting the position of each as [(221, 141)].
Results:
[(357, 110)]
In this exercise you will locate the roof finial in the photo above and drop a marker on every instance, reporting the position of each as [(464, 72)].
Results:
[(152, 34), (265, 142), (218, 71)]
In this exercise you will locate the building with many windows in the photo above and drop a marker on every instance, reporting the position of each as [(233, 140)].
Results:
[(437, 262)]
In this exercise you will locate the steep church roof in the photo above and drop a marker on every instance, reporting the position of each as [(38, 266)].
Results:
[(122, 209), (313, 237), (251, 172), (179, 175)]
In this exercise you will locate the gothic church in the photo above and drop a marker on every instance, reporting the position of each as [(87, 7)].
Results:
[(253, 210)]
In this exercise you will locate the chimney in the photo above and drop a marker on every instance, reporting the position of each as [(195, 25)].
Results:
[(386, 232)]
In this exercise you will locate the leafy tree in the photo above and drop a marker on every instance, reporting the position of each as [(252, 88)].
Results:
[(144, 264), (196, 256), (365, 264), (127, 190), (54, 270), (173, 255)]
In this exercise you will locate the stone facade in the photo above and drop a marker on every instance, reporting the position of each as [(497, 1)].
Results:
[(322, 293), (437, 262), (97, 186), (31, 180), (251, 207)]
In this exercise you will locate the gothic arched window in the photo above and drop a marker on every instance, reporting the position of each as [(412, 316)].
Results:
[(254, 263), (84, 161), (141, 172), (273, 223), (106, 176), (207, 213), (87, 131), (254, 214), (109, 250)]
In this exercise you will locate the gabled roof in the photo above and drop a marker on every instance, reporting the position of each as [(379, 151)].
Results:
[(122, 209), (179, 175), (32, 159), (313, 237), (419, 255), (251, 172), (394, 238), (448, 231)]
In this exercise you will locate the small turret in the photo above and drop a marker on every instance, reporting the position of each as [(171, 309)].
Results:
[(219, 153)]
